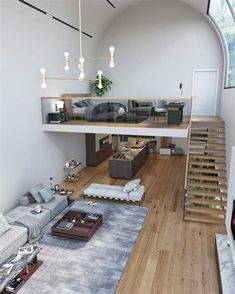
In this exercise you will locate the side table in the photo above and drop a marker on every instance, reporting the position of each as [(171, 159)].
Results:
[(24, 268)]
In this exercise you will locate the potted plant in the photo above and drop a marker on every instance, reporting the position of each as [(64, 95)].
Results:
[(106, 85)]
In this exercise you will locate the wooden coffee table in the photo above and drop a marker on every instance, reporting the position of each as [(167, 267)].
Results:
[(83, 226)]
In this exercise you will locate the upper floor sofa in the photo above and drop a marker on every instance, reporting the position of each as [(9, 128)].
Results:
[(140, 108)]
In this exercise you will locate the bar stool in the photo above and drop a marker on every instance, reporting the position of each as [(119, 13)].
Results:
[(152, 146)]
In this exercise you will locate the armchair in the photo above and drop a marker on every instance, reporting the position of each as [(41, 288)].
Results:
[(140, 108)]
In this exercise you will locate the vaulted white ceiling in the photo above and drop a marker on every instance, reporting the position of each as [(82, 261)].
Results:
[(97, 14)]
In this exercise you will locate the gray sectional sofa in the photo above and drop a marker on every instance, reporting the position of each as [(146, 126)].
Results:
[(17, 236)]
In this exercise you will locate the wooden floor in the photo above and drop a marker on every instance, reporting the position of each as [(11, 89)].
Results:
[(170, 255), (151, 122)]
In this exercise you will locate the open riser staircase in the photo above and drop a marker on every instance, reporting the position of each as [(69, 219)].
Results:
[(206, 183)]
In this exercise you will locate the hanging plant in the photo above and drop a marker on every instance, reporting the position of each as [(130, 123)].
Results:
[(106, 83)]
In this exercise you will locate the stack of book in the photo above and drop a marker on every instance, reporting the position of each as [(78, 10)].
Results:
[(65, 225), (14, 285)]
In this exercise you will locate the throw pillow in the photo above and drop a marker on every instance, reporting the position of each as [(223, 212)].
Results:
[(4, 226), (47, 195), (132, 186), (35, 193)]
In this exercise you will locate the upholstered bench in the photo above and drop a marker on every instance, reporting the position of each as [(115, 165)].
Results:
[(98, 208), (132, 191)]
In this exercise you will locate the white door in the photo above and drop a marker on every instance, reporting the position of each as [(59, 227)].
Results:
[(204, 92)]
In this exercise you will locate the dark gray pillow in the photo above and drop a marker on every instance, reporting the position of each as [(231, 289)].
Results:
[(35, 192), (80, 104)]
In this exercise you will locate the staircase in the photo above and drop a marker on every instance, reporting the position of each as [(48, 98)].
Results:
[(206, 183)]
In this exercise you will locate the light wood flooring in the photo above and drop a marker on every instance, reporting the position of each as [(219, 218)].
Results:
[(151, 122), (170, 255)]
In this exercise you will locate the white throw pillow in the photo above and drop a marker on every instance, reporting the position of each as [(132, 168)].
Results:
[(132, 186), (4, 226)]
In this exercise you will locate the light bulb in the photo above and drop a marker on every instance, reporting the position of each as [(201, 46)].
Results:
[(66, 54), (66, 67), (43, 71), (81, 60), (81, 76), (100, 86), (111, 64), (111, 49), (44, 85)]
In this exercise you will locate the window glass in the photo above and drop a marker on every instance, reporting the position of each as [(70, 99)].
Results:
[(232, 4), (222, 15)]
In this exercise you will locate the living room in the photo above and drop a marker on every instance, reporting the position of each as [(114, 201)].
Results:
[(162, 49)]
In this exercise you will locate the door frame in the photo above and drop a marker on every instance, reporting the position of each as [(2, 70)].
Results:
[(216, 70)]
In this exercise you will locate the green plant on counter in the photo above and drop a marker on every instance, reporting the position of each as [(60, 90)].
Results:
[(106, 83)]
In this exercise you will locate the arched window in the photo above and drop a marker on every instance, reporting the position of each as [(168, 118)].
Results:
[(222, 12)]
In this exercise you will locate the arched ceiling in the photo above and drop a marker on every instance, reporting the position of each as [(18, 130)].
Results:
[(98, 13)]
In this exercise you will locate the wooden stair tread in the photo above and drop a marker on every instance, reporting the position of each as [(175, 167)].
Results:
[(207, 170), (208, 122), (207, 128), (200, 138), (206, 132), (205, 201), (189, 216), (207, 156), (203, 144), (207, 185), (207, 178), (203, 150), (208, 125), (206, 163), (206, 193), (208, 210)]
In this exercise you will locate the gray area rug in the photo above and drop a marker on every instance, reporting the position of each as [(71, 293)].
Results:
[(72, 266)]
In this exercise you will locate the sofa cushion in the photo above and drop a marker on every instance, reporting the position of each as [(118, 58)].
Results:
[(11, 241), (131, 186), (26, 199), (46, 195), (35, 193), (106, 186), (4, 226), (13, 215), (137, 195)]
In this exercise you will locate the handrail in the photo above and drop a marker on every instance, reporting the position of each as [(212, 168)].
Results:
[(88, 96)]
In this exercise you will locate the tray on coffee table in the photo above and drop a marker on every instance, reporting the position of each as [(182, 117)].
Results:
[(83, 225)]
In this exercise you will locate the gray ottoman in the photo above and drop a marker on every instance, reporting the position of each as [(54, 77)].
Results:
[(99, 208), (13, 215)]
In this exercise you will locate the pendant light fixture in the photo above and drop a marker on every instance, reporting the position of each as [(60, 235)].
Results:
[(80, 61)]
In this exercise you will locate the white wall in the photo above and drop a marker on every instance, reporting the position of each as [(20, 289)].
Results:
[(228, 114), (158, 44), (30, 41)]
